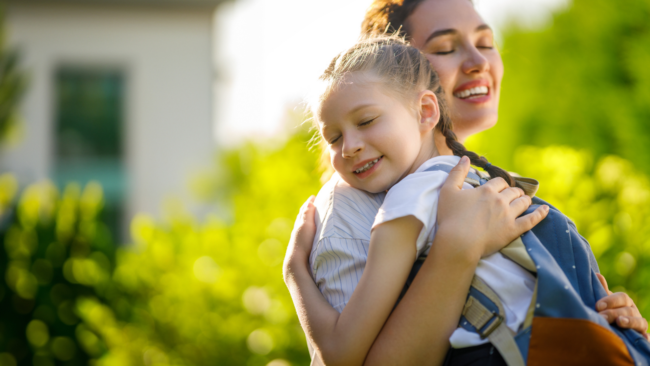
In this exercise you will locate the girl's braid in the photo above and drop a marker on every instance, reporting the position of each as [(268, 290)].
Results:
[(445, 127)]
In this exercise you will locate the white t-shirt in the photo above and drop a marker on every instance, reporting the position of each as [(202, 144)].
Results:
[(417, 194)]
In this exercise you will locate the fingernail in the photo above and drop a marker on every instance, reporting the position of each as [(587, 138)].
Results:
[(601, 306), (464, 160), (546, 208), (624, 320), (605, 317)]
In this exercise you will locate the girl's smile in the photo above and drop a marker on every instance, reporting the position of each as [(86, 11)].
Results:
[(368, 168)]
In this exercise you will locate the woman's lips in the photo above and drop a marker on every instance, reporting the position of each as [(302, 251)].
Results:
[(476, 91), (366, 173)]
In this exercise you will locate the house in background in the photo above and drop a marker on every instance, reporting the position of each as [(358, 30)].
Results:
[(120, 92)]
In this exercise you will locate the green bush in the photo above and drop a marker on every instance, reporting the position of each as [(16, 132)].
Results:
[(183, 293)]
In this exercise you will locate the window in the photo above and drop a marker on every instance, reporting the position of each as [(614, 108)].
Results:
[(89, 134)]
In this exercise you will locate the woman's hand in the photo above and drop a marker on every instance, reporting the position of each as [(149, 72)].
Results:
[(485, 219), (618, 307), (302, 236)]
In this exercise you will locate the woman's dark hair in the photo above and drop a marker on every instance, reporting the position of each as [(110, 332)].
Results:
[(388, 16), (406, 71)]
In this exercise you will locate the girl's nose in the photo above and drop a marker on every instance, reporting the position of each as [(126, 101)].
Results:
[(475, 61), (351, 146)]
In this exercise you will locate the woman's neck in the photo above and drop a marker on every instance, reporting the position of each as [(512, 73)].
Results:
[(441, 144)]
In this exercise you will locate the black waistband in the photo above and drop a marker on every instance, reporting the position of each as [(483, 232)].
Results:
[(482, 355)]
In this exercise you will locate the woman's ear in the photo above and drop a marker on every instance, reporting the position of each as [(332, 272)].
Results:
[(429, 110)]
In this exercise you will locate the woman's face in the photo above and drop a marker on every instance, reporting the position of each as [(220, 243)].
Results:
[(461, 49)]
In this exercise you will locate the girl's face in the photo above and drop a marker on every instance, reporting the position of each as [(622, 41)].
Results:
[(461, 49), (374, 138)]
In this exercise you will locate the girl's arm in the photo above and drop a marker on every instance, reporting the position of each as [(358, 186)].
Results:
[(344, 339)]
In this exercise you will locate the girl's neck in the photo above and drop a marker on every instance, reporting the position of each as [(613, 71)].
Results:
[(433, 146)]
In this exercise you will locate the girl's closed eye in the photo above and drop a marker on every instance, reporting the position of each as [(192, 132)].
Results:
[(333, 140), (367, 122)]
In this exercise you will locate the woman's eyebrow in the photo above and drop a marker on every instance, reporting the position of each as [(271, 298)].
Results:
[(438, 33), (444, 32), (483, 27)]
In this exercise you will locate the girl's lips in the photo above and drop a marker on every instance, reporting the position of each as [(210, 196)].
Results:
[(363, 175)]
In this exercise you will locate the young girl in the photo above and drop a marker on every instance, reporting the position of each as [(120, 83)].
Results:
[(378, 115)]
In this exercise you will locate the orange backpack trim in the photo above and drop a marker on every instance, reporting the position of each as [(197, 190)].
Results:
[(564, 341)]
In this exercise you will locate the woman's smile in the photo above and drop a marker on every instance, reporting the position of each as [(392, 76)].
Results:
[(477, 91)]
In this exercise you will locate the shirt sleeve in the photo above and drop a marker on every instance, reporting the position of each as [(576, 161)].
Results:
[(416, 195)]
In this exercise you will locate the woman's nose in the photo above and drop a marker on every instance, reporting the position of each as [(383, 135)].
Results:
[(475, 61)]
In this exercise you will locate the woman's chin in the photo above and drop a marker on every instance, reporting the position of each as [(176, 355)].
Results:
[(466, 127)]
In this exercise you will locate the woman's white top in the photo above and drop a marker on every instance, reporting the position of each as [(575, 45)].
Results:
[(341, 245)]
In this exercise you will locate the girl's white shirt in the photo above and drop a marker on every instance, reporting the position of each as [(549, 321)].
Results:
[(345, 216), (417, 195)]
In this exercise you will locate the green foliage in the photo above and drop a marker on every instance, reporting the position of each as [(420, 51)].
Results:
[(582, 82), (56, 252), (184, 293), (609, 200), (12, 86)]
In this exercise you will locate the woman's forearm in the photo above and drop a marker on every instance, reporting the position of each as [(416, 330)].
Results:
[(418, 330)]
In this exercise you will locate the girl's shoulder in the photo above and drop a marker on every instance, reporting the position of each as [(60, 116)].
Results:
[(345, 212), (422, 181)]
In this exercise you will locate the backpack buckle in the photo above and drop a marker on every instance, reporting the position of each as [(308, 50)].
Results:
[(498, 319)]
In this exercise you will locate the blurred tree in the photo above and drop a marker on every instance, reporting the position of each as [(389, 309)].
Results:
[(213, 293), (185, 293), (582, 81), (12, 85), (608, 199), (55, 252)]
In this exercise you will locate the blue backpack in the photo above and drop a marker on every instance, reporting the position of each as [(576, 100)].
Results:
[(561, 326)]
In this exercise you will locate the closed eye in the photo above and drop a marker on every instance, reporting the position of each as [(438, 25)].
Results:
[(444, 52), (331, 142), (366, 122)]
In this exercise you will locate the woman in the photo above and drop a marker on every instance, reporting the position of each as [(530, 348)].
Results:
[(460, 47)]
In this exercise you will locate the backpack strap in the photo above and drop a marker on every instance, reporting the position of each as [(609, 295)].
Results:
[(529, 185), (488, 317), (472, 179), (483, 309)]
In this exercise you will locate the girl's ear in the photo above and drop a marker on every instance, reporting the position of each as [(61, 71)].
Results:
[(429, 110)]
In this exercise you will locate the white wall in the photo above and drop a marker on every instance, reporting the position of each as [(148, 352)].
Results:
[(167, 56)]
